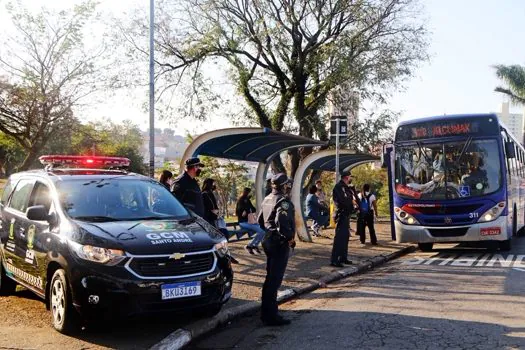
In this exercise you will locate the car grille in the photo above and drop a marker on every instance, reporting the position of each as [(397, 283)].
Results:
[(448, 232), (165, 267)]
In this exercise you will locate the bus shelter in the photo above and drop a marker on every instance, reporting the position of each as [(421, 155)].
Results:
[(325, 161), (262, 145), (259, 145)]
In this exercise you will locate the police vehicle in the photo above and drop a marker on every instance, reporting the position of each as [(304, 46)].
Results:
[(94, 242)]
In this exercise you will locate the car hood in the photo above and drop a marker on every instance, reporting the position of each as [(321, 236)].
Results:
[(149, 237)]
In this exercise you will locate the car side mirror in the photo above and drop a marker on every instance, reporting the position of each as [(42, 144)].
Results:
[(510, 150), (37, 213)]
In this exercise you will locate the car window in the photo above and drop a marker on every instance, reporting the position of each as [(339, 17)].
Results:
[(20, 197), (40, 196), (7, 191), (118, 199)]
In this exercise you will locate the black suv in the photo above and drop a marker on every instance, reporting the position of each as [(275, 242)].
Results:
[(94, 241)]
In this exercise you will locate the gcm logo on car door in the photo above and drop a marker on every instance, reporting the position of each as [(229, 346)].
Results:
[(23, 250)]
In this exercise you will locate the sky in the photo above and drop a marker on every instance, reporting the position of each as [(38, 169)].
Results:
[(467, 38)]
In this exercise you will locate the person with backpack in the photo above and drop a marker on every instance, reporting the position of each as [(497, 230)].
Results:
[(366, 215)]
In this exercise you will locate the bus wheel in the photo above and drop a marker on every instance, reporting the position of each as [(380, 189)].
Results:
[(425, 247), (505, 246)]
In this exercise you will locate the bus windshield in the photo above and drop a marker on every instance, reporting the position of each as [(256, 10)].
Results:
[(450, 170)]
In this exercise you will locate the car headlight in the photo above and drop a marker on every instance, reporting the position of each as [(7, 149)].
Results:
[(222, 248), (100, 255), (405, 217), (493, 213)]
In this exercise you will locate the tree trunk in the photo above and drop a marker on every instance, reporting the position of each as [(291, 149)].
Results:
[(29, 159)]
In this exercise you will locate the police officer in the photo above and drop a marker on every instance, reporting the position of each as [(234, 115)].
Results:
[(344, 199), (277, 217), (186, 188)]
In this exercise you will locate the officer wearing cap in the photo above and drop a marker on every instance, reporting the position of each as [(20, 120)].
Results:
[(277, 217), (344, 199), (186, 188)]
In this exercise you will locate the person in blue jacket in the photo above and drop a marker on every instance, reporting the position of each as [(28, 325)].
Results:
[(313, 210)]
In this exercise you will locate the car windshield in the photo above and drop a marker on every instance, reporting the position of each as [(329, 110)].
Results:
[(113, 199), (448, 170)]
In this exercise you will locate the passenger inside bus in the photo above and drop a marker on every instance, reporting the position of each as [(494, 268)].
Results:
[(452, 170)]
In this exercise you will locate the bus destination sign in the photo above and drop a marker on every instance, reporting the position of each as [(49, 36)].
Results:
[(454, 127), (443, 130)]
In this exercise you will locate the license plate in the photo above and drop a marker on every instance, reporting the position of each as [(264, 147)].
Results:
[(490, 231), (180, 290)]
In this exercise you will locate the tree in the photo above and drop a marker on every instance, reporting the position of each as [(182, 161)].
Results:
[(286, 57), (110, 139), (47, 73), (11, 154), (514, 77)]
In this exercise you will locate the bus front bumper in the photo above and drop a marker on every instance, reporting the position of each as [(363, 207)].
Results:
[(488, 231)]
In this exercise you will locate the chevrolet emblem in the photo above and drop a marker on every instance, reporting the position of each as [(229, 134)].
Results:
[(177, 256)]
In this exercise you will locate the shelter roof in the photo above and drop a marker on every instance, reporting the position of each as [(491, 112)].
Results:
[(249, 144)]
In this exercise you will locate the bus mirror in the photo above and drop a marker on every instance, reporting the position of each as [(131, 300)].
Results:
[(387, 148), (510, 150)]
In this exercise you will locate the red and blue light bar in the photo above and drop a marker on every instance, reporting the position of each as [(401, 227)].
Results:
[(86, 161)]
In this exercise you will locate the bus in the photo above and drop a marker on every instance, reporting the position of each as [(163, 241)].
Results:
[(457, 178)]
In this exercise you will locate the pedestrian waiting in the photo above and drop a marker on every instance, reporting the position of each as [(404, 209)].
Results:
[(166, 179), (212, 210), (366, 215), (247, 218), (313, 210)]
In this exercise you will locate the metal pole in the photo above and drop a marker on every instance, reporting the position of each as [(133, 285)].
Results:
[(151, 89), (337, 121)]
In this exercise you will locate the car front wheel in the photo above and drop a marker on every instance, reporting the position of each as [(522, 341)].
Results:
[(62, 311)]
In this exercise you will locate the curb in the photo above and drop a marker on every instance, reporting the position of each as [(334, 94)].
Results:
[(182, 337)]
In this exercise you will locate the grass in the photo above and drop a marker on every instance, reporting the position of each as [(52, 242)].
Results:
[(2, 184)]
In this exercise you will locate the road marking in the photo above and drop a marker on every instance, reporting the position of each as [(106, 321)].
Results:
[(517, 268), (471, 259)]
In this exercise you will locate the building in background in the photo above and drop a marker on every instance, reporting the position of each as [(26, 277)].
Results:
[(513, 121), (168, 147)]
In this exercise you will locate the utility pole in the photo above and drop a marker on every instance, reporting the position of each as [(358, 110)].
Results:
[(338, 128), (151, 89)]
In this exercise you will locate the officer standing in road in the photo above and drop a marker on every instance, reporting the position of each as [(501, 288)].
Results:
[(186, 188), (344, 200), (277, 217)]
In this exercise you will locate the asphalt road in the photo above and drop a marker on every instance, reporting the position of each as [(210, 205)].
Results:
[(452, 298)]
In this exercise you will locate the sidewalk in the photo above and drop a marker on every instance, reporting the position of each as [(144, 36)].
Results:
[(309, 262), (308, 266)]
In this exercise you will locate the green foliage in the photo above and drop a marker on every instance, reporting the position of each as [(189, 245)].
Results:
[(11, 155), (514, 77), (110, 139), (377, 178)]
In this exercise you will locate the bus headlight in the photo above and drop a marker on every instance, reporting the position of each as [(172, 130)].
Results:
[(493, 213), (405, 217)]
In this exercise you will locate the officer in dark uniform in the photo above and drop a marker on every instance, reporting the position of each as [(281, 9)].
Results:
[(277, 217), (186, 188), (344, 199)]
